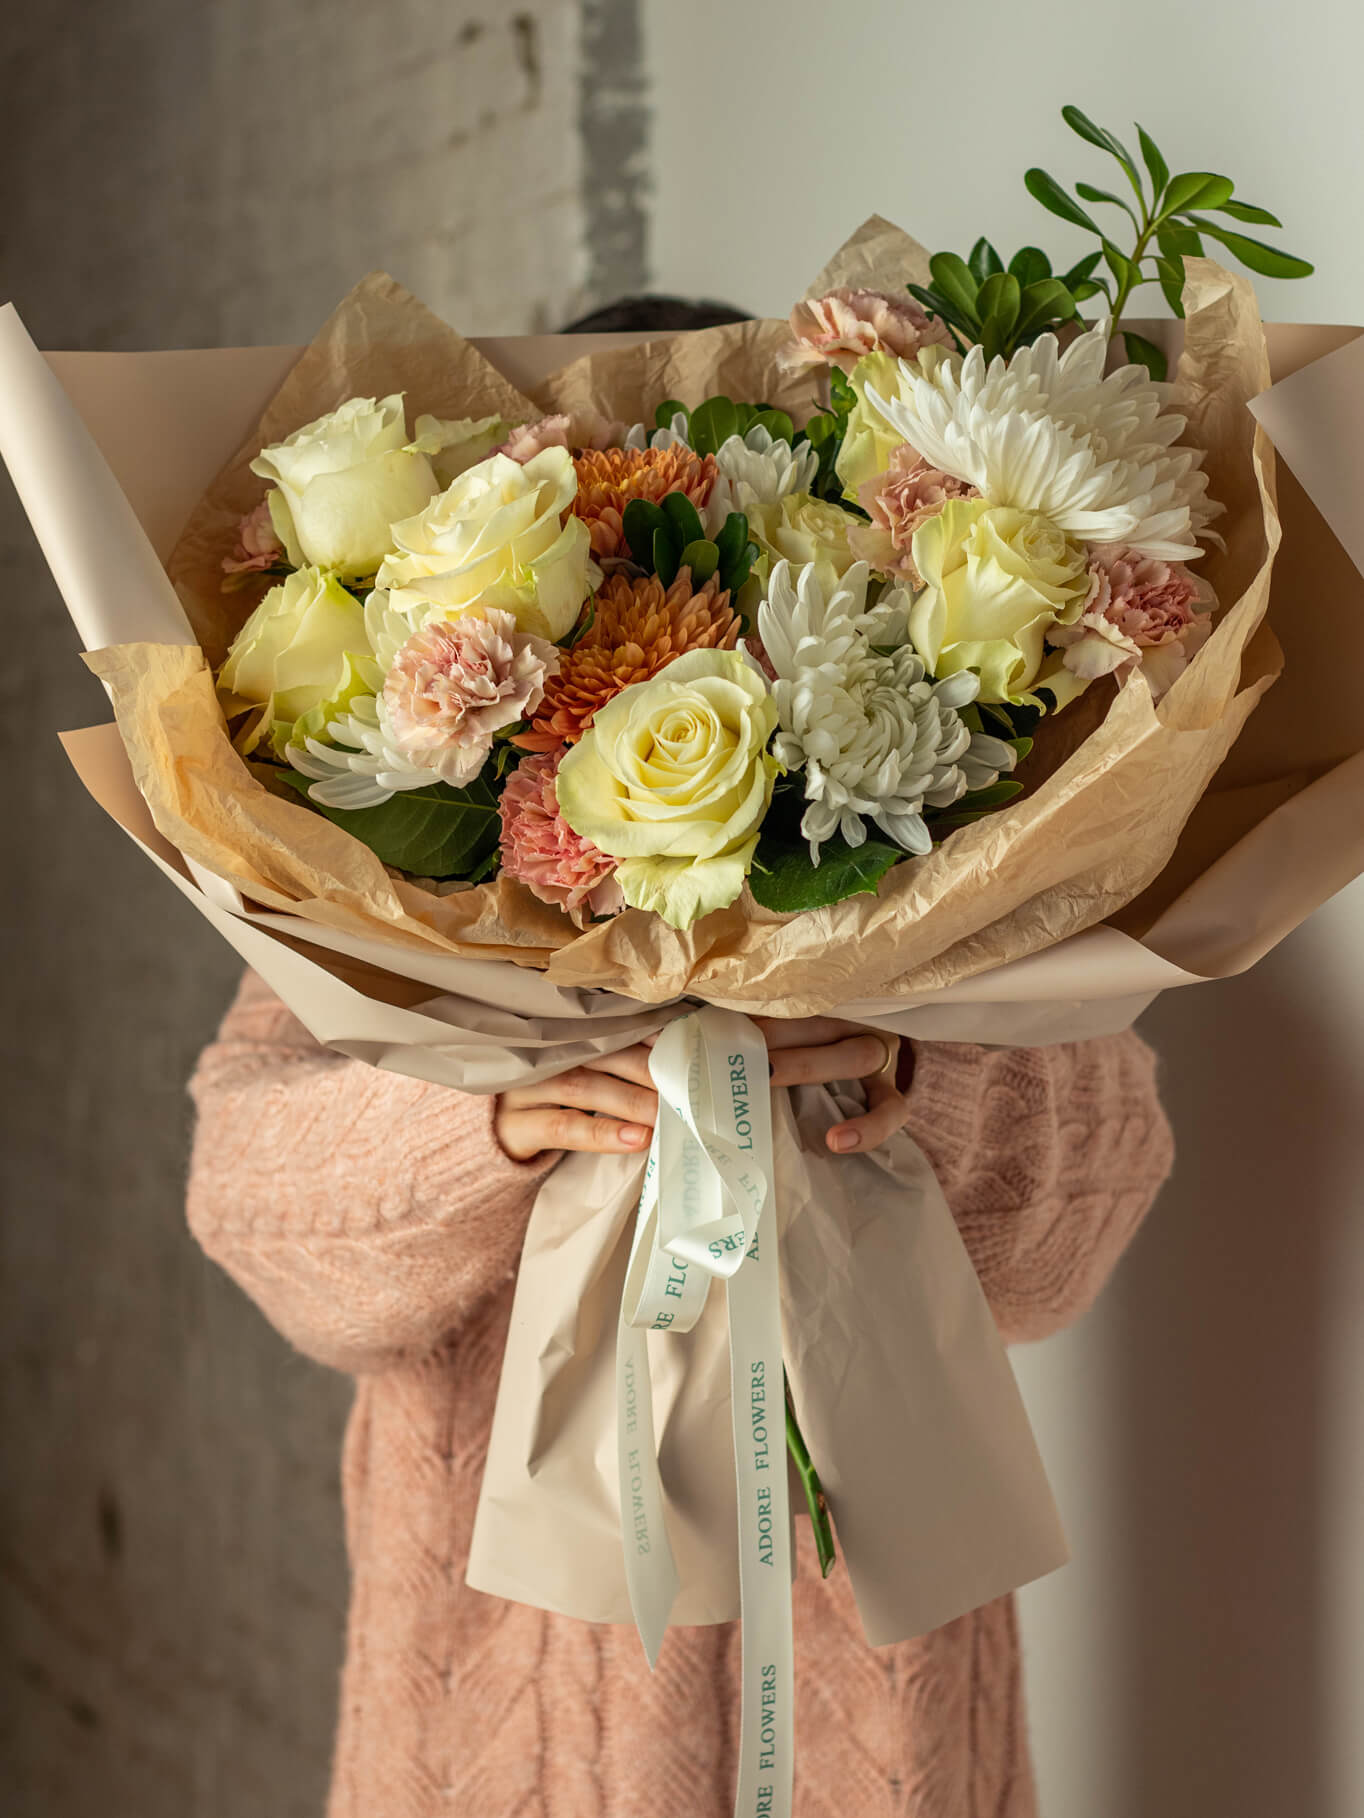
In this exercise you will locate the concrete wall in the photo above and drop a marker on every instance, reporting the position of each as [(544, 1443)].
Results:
[(1204, 1655), (173, 1582)]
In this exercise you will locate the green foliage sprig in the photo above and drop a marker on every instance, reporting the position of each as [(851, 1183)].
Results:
[(670, 535), (1006, 307)]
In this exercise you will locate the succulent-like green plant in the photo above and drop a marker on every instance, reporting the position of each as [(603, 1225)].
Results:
[(670, 535), (1004, 306)]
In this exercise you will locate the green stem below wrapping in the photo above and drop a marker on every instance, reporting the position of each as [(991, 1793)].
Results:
[(814, 1490)]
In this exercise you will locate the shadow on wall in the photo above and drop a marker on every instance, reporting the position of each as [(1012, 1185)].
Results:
[(1219, 1379)]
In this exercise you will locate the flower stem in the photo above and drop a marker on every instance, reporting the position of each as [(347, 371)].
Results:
[(814, 1491)]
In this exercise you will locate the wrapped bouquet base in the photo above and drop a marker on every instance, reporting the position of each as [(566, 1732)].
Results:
[(1161, 842)]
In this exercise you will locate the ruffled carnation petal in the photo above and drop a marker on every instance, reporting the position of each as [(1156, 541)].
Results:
[(543, 852)]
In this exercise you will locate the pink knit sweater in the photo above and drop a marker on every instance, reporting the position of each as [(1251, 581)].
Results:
[(377, 1223)]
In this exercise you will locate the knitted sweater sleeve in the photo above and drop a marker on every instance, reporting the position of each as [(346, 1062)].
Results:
[(1049, 1158), (363, 1211)]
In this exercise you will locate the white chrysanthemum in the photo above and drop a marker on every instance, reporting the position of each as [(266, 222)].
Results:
[(876, 739), (1047, 432), (364, 768), (757, 468)]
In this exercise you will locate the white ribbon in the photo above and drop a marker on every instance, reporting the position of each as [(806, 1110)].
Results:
[(708, 1182)]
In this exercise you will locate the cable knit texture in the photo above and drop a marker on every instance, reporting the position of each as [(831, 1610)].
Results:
[(377, 1223)]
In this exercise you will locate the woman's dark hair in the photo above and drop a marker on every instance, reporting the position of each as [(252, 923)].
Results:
[(666, 314)]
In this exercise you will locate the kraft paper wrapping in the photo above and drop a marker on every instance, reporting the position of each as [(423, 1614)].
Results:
[(1008, 942)]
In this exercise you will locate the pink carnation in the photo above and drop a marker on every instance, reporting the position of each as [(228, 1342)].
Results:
[(541, 850), (898, 501), (583, 429), (258, 547), (1140, 611), (848, 324), (458, 681)]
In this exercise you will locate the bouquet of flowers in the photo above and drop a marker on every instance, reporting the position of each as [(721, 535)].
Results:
[(631, 666), (862, 664)]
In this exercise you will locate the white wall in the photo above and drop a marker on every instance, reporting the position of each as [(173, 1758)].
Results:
[(1204, 1655)]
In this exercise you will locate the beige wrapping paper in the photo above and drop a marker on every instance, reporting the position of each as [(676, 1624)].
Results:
[(1057, 919)]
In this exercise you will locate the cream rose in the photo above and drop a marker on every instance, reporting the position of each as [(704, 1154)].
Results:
[(996, 581), (672, 779), (341, 482), (302, 655), (496, 538), (799, 529)]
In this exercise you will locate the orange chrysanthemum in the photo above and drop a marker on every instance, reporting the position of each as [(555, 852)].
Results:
[(638, 628), (609, 478)]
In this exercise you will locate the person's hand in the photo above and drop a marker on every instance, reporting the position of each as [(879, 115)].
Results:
[(607, 1105), (816, 1050)]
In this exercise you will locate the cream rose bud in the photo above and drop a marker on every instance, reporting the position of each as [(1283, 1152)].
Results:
[(497, 538), (342, 481), (996, 581), (672, 779), (799, 529), (304, 647)]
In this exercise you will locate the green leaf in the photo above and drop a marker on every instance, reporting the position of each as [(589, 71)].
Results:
[(641, 521), (974, 807), (1091, 194), (1177, 241), (1142, 352), (1087, 288), (954, 279), (1042, 303), (842, 397), (1195, 189), (1268, 261), (939, 305), (730, 542), (667, 410), (703, 558), (437, 831), (1030, 265), (667, 555), (776, 422), (783, 878), (1100, 136), (983, 260), (993, 343), (1082, 269), (1170, 272), (712, 424), (1120, 265), (1046, 190), (683, 516), (1247, 211), (998, 302), (1155, 163)]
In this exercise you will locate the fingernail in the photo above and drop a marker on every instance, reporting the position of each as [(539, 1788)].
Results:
[(843, 1140), (634, 1134)]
